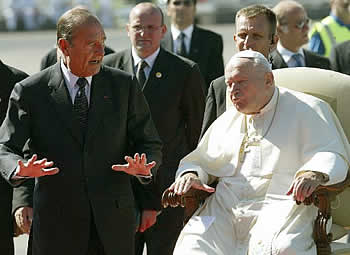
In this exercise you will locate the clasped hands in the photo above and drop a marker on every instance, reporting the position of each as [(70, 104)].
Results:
[(37, 168)]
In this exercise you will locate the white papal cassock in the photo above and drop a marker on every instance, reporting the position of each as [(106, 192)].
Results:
[(249, 212)]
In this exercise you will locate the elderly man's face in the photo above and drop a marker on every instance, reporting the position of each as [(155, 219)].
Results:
[(253, 33), (181, 12), (145, 31), (85, 53), (248, 86)]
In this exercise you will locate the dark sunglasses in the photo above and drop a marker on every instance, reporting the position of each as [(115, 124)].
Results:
[(184, 3)]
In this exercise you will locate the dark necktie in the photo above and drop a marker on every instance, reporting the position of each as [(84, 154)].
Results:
[(298, 59), (140, 73), (81, 106), (181, 49)]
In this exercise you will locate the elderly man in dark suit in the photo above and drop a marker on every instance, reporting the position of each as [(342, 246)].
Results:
[(173, 87), (256, 30), (79, 118), (9, 77), (293, 29), (193, 42)]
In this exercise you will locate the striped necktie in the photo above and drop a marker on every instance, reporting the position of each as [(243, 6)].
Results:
[(181, 49)]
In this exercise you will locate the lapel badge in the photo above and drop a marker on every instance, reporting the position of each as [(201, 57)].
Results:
[(158, 75)]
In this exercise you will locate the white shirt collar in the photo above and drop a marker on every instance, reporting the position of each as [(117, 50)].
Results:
[(149, 60), (287, 54), (71, 78), (175, 32)]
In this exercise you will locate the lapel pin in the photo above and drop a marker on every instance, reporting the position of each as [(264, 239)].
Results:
[(105, 97), (158, 74)]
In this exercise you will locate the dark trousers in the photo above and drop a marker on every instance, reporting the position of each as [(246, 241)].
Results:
[(95, 244), (161, 237)]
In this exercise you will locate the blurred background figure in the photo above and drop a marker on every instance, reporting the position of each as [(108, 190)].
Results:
[(188, 40), (340, 58), (292, 29), (332, 30), (20, 14)]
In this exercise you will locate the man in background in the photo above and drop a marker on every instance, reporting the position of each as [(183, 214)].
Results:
[(174, 89), (292, 30), (187, 39), (256, 30)]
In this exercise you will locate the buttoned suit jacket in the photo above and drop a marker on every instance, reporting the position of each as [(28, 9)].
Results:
[(340, 58), (311, 60), (9, 77), (40, 113), (206, 49), (174, 91)]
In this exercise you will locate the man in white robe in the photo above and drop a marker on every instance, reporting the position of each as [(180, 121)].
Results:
[(272, 149)]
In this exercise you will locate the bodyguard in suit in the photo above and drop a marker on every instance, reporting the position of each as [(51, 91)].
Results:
[(293, 29), (79, 118), (256, 30), (340, 58), (173, 87), (193, 42), (9, 77)]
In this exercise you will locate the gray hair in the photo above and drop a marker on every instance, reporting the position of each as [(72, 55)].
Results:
[(71, 20)]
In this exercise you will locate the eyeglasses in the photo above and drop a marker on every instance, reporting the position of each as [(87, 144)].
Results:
[(150, 28), (184, 3), (301, 24)]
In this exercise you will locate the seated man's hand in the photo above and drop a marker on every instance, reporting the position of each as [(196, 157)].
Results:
[(148, 219), (188, 181), (35, 168), (136, 166), (23, 219), (304, 184)]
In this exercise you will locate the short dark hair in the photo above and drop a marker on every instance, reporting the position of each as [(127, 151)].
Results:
[(193, 1), (73, 19), (255, 10)]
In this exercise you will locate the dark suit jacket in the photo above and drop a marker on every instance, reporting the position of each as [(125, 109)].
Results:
[(51, 57), (311, 60), (215, 102), (340, 58), (40, 112), (205, 49), (9, 77), (174, 91)]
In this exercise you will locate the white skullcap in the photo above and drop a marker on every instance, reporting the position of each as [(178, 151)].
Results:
[(257, 57)]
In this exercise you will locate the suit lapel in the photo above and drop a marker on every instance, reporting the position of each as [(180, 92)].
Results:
[(127, 64), (100, 103), (195, 44), (62, 102), (157, 73)]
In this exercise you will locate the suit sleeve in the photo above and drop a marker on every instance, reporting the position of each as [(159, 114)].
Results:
[(210, 110), (193, 103), (14, 133), (334, 58)]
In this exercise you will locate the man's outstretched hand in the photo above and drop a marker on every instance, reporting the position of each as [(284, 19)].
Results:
[(136, 166), (36, 168)]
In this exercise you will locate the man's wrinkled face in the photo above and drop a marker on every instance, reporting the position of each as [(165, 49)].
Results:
[(247, 86), (145, 31), (84, 54), (296, 28), (181, 12), (253, 33)]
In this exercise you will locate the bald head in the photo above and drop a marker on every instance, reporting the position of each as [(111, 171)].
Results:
[(284, 9), (146, 9)]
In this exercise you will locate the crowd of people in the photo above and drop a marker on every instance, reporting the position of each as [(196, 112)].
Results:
[(89, 143)]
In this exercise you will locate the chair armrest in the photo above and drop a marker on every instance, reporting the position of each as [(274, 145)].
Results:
[(191, 200), (322, 198)]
